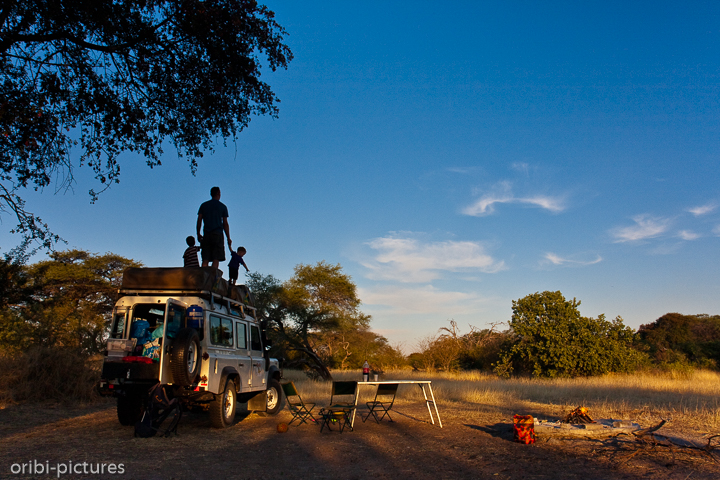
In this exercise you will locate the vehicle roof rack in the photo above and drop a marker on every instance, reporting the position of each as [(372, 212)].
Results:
[(212, 296)]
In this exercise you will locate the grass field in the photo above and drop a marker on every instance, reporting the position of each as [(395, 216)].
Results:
[(691, 401)]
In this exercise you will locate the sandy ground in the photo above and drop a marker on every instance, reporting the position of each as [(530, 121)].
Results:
[(476, 442)]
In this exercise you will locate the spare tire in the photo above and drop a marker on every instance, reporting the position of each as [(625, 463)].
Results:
[(186, 357)]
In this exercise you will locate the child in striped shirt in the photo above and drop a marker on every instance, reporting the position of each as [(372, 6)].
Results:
[(190, 258)]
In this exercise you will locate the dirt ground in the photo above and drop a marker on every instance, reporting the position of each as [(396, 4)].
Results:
[(476, 442)]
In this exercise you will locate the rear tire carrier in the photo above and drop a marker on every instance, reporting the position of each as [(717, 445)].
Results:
[(186, 357)]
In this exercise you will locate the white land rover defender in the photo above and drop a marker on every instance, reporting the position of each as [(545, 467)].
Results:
[(189, 329)]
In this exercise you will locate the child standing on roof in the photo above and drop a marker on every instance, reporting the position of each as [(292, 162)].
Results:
[(190, 256), (235, 261)]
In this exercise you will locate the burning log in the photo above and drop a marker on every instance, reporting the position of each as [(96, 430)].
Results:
[(578, 416)]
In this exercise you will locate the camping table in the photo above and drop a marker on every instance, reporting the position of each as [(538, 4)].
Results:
[(419, 383)]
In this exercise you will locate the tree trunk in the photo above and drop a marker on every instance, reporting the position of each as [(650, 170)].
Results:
[(316, 362)]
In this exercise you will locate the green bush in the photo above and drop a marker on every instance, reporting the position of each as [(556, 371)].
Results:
[(692, 339), (549, 338)]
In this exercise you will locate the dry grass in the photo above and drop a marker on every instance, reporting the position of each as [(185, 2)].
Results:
[(42, 374), (690, 399)]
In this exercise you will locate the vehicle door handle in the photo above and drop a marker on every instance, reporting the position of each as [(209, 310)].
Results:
[(241, 364)]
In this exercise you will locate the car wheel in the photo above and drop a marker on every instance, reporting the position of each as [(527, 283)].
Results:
[(186, 357), (274, 397), (222, 409), (129, 408)]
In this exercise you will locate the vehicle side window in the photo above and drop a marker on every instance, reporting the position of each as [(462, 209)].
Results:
[(241, 336), (118, 329), (255, 338), (221, 331)]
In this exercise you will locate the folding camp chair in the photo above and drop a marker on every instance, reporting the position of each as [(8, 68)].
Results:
[(300, 410), (340, 410), (384, 399)]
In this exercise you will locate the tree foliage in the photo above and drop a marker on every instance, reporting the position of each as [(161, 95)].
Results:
[(111, 76), (315, 321), (67, 302), (552, 339), (450, 350), (15, 285), (690, 339)]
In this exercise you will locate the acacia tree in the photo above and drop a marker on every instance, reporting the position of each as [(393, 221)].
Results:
[(450, 350), (108, 76), (351, 347), (72, 295), (15, 285), (318, 301), (550, 338)]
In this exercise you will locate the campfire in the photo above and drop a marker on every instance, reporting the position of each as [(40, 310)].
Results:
[(578, 416)]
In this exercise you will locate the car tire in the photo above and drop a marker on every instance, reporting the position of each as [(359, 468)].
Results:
[(129, 408), (186, 357), (222, 409), (275, 398)]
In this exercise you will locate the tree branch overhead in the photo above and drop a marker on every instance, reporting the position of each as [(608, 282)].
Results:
[(95, 79)]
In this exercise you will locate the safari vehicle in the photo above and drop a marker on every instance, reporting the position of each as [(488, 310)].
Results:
[(189, 329)]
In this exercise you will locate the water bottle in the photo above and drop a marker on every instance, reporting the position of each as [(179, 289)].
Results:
[(366, 371)]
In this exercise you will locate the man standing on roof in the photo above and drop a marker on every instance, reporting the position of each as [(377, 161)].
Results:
[(214, 214)]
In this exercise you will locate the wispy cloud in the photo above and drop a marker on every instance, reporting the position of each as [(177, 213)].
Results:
[(716, 230), (645, 227), (406, 259), (558, 260), (502, 193), (702, 209), (688, 235)]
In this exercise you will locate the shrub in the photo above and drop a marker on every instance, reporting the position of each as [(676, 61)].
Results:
[(551, 339), (673, 338), (451, 350)]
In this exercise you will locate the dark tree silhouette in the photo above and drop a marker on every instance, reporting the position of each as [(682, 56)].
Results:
[(104, 77)]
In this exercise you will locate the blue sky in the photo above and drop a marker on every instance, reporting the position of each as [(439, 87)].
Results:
[(456, 156)]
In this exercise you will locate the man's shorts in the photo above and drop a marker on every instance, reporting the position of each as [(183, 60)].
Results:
[(213, 247), (233, 273)]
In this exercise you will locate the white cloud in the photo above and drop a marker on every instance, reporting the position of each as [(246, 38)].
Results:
[(554, 204), (716, 230), (557, 260), (502, 193), (424, 300), (409, 260), (688, 235), (703, 209), (645, 227)]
